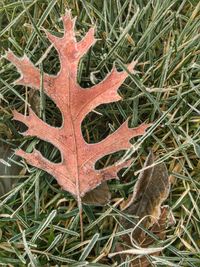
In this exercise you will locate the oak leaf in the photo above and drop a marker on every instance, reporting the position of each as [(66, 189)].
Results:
[(76, 172)]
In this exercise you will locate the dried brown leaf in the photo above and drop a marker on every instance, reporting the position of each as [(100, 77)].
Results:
[(151, 189), (99, 196)]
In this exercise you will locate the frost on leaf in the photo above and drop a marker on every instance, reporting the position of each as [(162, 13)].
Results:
[(76, 173)]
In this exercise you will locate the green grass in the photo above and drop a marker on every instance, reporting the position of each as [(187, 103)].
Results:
[(39, 223)]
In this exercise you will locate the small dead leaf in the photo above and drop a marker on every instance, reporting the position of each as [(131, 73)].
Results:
[(99, 196), (34, 100)]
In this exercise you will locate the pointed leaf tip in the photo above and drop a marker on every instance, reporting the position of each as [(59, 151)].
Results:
[(68, 21)]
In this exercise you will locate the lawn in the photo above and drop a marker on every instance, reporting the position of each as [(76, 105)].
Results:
[(40, 222)]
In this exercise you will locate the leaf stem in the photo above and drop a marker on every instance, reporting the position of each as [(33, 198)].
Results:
[(80, 207)]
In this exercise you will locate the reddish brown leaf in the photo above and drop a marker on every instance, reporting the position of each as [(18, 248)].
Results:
[(76, 172)]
